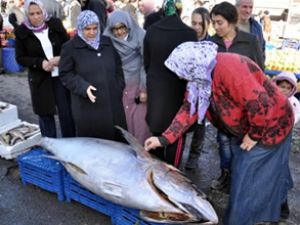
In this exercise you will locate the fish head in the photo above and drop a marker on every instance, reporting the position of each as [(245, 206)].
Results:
[(180, 192)]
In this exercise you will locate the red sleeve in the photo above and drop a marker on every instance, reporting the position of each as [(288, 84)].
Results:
[(181, 123)]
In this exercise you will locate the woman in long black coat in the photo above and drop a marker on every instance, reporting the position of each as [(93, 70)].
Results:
[(38, 44), (91, 69), (165, 91)]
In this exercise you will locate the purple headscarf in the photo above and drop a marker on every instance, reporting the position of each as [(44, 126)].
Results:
[(86, 18), (194, 62), (45, 15)]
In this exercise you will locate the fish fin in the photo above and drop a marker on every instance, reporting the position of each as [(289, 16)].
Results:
[(134, 143), (66, 163), (75, 167)]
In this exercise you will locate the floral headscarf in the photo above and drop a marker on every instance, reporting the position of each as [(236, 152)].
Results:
[(45, 15), (86, 18), (194, 62)]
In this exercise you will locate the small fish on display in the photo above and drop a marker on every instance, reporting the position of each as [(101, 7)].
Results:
[(3, 106), (18, 134)]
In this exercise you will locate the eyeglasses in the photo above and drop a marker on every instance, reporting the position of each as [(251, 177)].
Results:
[(122, 27)]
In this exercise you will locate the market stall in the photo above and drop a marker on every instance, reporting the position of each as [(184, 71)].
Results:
[(9, 62), (283, 58)]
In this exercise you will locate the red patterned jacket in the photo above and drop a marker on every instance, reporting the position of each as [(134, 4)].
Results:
[(243, 101)]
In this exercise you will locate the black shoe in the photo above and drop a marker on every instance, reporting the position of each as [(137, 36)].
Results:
[(191, 164), (266, 223), (223, 181), (285, 211)]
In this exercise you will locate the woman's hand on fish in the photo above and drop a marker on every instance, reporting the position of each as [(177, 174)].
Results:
[(152, 143), (143, 97), (247, 143), (90, 94)]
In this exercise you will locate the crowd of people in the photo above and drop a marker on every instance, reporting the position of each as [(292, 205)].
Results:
[(137, 65)]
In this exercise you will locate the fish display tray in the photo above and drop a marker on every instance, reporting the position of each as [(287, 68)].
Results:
[(127, 216), (10, 125), (11, 152), (8, 115), (41, 171), (75, 191)]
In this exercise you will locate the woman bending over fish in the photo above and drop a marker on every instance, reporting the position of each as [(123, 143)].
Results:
[(91, 69), (232, 91)]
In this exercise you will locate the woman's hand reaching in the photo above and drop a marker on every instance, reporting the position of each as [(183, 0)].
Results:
[(152, 143), (90, 94)]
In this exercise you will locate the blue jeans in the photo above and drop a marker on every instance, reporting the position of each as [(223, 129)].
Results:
[(225, 151), (63, 105)]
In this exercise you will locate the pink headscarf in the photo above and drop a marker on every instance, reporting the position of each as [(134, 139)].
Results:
[(291, 78)]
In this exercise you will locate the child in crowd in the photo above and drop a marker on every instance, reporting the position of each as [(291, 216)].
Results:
[(287, 83)]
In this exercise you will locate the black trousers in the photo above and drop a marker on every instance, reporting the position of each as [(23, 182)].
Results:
[(197, 140), (63, 105)]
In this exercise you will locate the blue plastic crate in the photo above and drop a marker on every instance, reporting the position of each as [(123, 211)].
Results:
[(129, 216), (41, 171), (9, 62), (75, 191)]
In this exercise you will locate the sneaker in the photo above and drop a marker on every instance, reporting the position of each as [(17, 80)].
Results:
[(283, 222), (222, 182)]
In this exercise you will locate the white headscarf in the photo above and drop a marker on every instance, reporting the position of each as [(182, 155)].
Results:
[(45, 15)]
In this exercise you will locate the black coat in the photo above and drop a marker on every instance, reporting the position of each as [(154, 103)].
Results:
[(244, 44), (99, 7), (81, 66), (165, 90), (29, 53)]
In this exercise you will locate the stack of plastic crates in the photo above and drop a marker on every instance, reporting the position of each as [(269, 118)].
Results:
[(127, 216), (75, 191), (41, 171), (119, 215), (35, 168)]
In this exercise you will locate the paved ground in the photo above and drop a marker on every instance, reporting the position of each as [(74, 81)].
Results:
[(29, 205)]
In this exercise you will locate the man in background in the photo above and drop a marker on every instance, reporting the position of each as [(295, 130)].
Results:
[(54, 8), (247, 23), (98, 7)]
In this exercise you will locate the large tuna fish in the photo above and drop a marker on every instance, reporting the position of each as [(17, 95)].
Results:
[(128, 175)]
